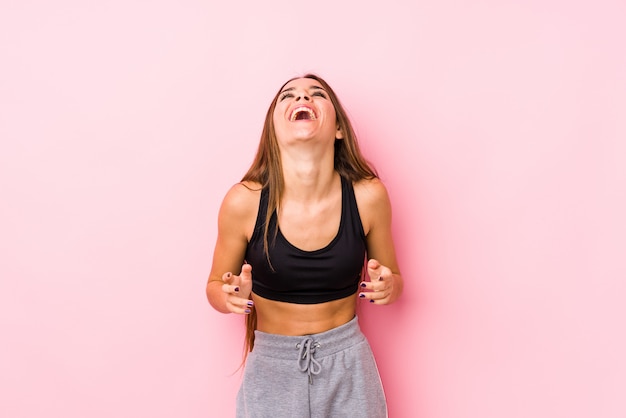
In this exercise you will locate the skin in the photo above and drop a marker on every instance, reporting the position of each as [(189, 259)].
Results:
[(309, 216)]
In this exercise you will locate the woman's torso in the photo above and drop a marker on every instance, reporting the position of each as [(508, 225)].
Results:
[(319, 250)]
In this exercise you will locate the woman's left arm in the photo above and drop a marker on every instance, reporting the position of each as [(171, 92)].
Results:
[(385, 285)]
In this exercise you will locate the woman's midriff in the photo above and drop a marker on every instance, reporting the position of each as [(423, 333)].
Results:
[(285, 318)]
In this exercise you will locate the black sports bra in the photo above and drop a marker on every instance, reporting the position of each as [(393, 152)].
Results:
[(308, 277)]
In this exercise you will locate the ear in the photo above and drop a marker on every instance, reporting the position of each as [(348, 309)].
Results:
[(339, 133)]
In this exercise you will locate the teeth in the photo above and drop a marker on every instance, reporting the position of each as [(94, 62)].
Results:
[(297, 110)]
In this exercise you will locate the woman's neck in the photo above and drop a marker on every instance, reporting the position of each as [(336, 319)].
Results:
[(308, 180)]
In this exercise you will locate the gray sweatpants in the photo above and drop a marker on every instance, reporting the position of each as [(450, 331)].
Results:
[(328, 375)]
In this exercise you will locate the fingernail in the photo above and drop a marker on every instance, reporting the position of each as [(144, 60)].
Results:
[(361, 295), (363, 284), (380, 278), (250, 303), (247, 311), (371, 300), (237, 289)]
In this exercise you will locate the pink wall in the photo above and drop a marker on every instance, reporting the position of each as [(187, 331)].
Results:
[(499, 128)]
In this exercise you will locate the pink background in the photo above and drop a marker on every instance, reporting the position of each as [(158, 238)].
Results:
[(499, 128)]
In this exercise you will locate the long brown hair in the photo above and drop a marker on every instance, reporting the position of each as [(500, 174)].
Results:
[(266, 170)]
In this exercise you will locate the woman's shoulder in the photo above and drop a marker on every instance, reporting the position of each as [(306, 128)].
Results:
[(242, 198), (370, 191), (373, 203)]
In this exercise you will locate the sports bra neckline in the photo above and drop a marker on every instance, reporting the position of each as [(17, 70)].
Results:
[(279, 233)]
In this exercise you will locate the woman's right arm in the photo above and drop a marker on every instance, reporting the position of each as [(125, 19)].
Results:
[(230, 282)]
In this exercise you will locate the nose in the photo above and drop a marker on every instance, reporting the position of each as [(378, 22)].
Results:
[(302, 96)]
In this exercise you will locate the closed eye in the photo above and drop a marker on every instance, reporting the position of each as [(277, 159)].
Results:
[(319, 93), (285, 96)]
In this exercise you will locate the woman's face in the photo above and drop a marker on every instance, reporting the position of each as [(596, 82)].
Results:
[(304, 112)]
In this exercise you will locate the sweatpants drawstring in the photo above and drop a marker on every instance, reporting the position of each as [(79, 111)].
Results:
[(306, 361)]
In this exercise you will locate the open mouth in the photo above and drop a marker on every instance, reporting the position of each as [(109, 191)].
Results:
[(302, 113)]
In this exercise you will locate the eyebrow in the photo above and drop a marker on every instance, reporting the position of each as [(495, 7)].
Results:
[(312, 87)]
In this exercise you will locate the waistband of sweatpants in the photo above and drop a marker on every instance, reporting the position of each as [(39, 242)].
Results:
[(327, 342)]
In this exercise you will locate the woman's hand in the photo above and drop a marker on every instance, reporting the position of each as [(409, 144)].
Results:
[(238, 290), (379, 290)]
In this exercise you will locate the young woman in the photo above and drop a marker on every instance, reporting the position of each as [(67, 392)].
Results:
[(294, 239)]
